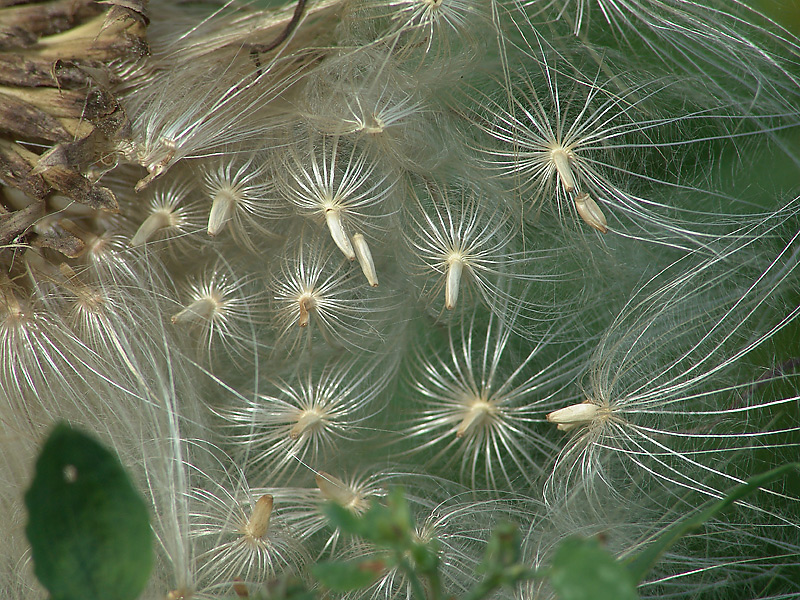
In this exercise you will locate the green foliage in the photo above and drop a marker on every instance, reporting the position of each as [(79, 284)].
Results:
[(348, 576), (91, 539), (581, 567), (646, 560), (391, 529), (502, 566), (583, 570), (88, 527)]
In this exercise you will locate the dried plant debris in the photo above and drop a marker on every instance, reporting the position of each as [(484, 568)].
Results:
[(60, 121)]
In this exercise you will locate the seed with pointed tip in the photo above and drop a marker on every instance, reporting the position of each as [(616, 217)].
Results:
[(479, 412), (455, 266), (240, 588), (365, 259), (156, 169), (155, 222), (374, 125), (334, 489), (307, 304), (201, 309), (308, 420), (257, 526), (333, 217), (222, 209), (573, 416), (11, 305), (590, 212), (561, 160)]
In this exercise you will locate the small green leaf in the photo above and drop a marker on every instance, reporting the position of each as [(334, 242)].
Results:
[(342, 519), (389, 526), (88, 527), (347, 576), (426, 556), (501, 566), (583, 570), (503, 550), (641, 564)]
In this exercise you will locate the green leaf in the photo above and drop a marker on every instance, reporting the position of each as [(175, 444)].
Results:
[(342, 519), (501, 566), (426, 556), (583, 570), (387, 526), (503, 550), (88, 527), (641, 564), (347, 576)]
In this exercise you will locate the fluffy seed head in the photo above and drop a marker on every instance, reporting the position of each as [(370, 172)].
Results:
[(339, 185)]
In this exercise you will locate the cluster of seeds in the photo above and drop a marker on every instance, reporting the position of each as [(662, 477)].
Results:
[(533, 261)]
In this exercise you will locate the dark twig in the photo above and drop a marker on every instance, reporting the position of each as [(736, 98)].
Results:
[(256, 49)]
